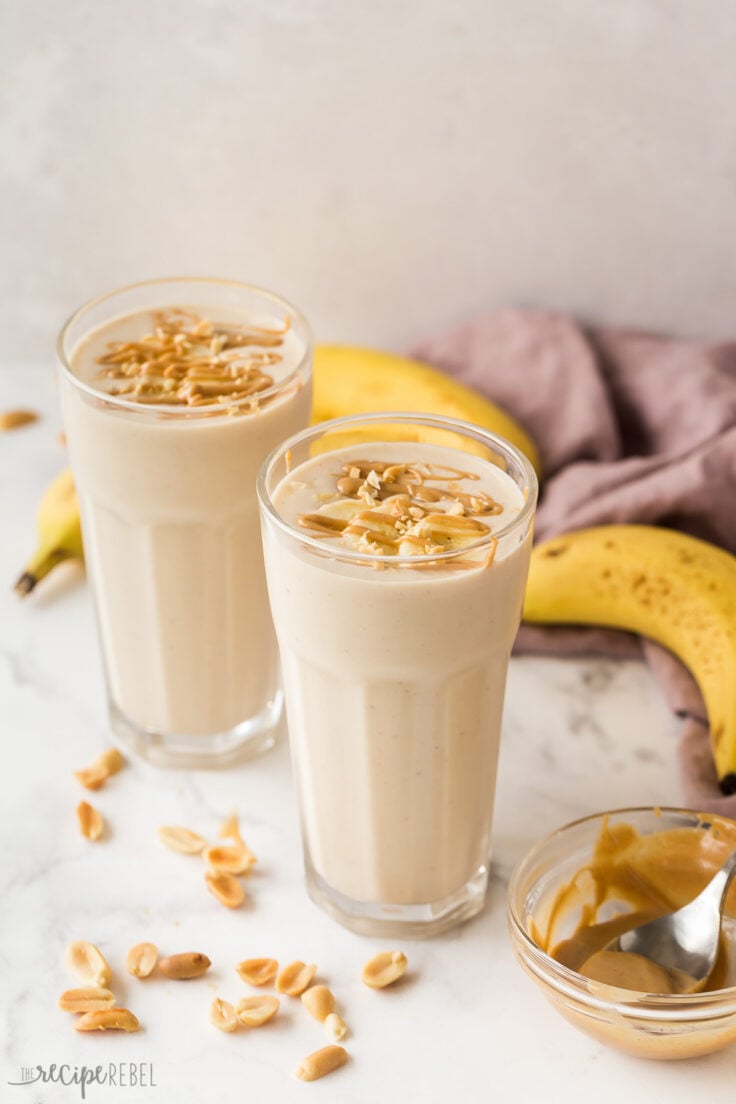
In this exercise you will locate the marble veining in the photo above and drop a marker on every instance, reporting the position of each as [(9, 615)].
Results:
[(579, 736)]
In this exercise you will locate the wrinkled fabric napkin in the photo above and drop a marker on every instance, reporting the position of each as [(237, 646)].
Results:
[(631, 427)]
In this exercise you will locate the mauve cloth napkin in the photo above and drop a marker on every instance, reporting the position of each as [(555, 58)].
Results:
[(631, 427)]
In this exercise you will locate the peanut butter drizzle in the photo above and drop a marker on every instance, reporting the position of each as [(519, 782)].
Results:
[(322, 524), (398, 511), (188, 360), (650, 875)]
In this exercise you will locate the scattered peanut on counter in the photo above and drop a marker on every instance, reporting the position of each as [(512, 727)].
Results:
[(321, 1062), (255, 1011), (222, 1015), (91, 824), (90, 999), (225, 888), (141, 960), (182, 840), (94, 1001), (14, 419), (384, 969), (257, 971), (230, 859), (184, 967), (335, 1027), (107, 764), (87, 962), (295, 978), (319, 1002), (224, 861), (108, 1019)]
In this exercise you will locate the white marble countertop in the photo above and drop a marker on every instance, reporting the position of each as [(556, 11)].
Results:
[(467, 1025)]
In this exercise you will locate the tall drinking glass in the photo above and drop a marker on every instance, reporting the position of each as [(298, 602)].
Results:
[(173, 392), (397, 549)]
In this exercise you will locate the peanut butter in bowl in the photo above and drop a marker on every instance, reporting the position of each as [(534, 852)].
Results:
[(585, 885)]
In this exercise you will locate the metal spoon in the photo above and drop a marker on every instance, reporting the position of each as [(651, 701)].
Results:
[(686, 940)]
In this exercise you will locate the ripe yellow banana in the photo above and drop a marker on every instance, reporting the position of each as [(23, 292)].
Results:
[(350, 380), (670, 587), (59, 532)]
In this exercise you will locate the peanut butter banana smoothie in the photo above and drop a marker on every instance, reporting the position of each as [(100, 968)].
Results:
[(173, 392), (397, 550)]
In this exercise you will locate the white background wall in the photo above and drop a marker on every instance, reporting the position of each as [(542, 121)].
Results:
[(389, 165)]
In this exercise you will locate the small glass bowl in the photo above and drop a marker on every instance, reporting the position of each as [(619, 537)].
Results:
[(648, 1026)]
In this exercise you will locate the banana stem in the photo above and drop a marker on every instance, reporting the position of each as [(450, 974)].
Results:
[(38, 568), (25, 584)]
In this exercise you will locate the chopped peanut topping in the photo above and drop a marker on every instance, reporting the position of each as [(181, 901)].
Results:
[(402, 510), (190, 361)]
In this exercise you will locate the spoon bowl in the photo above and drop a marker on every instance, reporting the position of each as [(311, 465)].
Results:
[(685, 941)]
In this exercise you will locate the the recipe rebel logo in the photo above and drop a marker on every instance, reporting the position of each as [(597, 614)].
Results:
[(118, 1075)]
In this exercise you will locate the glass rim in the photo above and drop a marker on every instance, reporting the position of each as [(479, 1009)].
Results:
[(573, 984), (303, 367), (435, 421)]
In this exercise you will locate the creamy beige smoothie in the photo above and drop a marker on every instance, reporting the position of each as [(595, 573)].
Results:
[(394, 660), (169, 412)]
